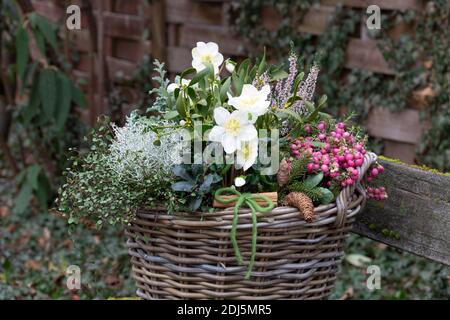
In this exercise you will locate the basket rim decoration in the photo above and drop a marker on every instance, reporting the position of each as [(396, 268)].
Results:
[(189, 255)]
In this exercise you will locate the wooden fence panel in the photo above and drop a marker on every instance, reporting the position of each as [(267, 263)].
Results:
[(168, 29)]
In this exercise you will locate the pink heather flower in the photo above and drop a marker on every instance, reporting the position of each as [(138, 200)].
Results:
[(306, 89)]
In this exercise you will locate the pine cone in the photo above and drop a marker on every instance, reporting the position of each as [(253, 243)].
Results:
[(303, 203), (283, 172)]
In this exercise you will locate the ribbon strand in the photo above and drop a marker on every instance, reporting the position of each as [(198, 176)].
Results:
[(251, 201)]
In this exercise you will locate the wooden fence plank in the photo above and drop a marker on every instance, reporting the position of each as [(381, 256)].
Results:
[(158, 29), (383, 4), (406, 152), (316, 20), (365, 55), (228, 43), (123, 25), (404, 126), (187, 11), (415, 217), (178, 59)]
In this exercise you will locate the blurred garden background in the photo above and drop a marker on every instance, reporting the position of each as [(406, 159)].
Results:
[(55, 82)]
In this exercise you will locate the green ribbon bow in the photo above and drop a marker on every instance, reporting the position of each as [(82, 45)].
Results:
[(250, 200)]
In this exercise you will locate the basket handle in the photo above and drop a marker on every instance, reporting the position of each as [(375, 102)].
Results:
[(346, 193)]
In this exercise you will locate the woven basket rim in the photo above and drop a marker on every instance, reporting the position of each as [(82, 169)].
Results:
[(349, 202)]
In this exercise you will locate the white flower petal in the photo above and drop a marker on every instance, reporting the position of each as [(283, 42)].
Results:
[(247, 133), (216, 134), (229, 143), (195, 53), (197, 65), (171, 87), (239, 181), (265, 91), (221, 115), (212, 47), (218, 59)]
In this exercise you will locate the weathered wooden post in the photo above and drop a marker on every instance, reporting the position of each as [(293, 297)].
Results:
[(416, 216)]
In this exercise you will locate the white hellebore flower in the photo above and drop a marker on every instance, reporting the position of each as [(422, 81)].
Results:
[(171, 87), (247, 154), (230, 65), (231, 129), (252, 101), (205, 53), (239, 181)]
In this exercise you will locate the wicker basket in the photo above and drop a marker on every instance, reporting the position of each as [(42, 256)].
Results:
[(190, 256)]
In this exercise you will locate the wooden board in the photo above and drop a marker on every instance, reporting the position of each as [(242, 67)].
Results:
[(415, 217), (383, 4), (404, 126), (405, 152), (365, 55)]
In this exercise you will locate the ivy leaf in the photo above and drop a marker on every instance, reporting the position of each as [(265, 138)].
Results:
[(47, 92), (327, 195), (65, 95), (22, 54), (313, 181)]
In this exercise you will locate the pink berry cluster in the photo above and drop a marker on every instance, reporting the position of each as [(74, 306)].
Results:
[(374, 172), (335, 152), (377, 193)]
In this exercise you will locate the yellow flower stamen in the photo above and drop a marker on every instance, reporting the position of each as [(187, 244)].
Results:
[(232, 126), (246, 151)]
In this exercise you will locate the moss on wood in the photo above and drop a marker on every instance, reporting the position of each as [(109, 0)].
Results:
[(420, 167)]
